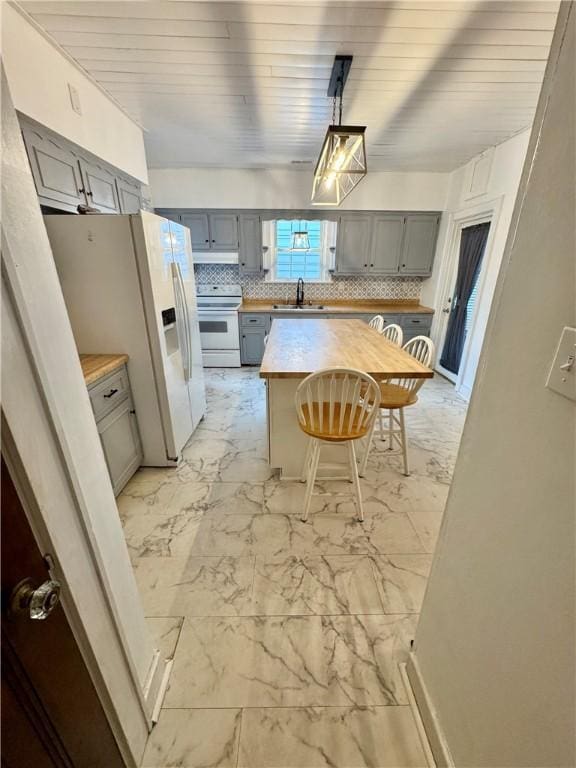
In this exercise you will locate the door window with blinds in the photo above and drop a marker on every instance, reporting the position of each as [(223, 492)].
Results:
[(299, 248)]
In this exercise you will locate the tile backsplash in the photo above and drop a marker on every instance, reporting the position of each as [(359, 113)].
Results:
[(340, 287)]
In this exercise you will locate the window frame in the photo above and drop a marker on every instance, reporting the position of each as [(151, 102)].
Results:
[(327, 251)]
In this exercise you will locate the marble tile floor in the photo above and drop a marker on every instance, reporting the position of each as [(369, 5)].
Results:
[(286, 636)]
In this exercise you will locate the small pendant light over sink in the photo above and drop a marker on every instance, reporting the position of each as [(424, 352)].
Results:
[(300, 241), (342, 162)]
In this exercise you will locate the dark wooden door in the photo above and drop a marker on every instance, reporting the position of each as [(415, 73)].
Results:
[(51, 714)]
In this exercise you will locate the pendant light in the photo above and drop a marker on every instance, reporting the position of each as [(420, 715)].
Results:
[(300, 241), (342, 162)]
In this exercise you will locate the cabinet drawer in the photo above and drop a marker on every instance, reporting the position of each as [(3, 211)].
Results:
[(107, 393), (414, 322), (254, 321)]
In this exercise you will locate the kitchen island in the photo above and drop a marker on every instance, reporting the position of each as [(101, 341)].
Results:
[(297, 348)]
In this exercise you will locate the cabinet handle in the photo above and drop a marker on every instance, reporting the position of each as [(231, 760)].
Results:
[(213, 241), (206, 241), (90, 194), (371, 265), (365, 265), (243, 264), (82, 191), (111, 393), (133, 412)]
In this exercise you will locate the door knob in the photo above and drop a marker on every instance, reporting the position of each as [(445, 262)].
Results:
[(38, 603)]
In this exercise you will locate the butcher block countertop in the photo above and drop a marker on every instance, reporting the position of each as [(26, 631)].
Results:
[(400, 306), (296, 348), (95, 367)]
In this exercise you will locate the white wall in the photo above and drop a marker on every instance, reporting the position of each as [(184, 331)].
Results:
[(501, 190), (495, 643), (280, 188), (38, 76)]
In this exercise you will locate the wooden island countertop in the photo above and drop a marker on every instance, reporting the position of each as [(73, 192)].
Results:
[(95, 367), (297, 347)]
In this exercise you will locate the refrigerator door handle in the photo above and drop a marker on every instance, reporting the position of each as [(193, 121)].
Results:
[(187, 317), (181, 313)]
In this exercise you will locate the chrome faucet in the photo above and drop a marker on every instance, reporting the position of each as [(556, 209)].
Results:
[(300, 292)]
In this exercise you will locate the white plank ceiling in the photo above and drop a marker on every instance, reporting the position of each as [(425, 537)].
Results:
[(243, 84)]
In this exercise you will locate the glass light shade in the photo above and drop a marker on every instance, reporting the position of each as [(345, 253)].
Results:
[(341, 165), (300, 241)]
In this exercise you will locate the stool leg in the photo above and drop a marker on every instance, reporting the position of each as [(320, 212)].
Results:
[(381, 423), (355, 480), (390, 429), (311, 478), (404, 442), (306, 465), (369, 438)]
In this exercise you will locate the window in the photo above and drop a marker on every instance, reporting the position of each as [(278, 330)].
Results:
[(287, 263)]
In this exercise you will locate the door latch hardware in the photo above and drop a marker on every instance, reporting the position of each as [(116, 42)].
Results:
[(38, 603)]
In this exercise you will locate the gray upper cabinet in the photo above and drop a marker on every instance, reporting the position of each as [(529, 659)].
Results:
[(250, 250), (55, 170), (209, 231), (223, 231), (387, 234), (66, 176), (129, 197), (353, 244), (100, 187), (419, 244), (197, 223)]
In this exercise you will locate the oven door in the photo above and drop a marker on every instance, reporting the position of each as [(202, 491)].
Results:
[(219, 329)]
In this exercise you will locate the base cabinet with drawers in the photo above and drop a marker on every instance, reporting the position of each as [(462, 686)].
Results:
[(255, 326), (115, 416)]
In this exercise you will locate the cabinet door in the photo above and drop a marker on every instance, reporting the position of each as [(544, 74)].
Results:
[(419, 244), (197, 223), (56, 172), (223, 232), (386, 244), (121, 443), (353, 245), (252, 345), (250, 246), (100, 187), (128, 197)]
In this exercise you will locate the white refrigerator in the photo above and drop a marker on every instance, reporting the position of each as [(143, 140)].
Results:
[(128, 283)]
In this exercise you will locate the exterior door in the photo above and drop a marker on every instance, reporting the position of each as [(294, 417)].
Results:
[(51, 714)]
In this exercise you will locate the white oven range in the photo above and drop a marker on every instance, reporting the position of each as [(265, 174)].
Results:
[(218, 317)]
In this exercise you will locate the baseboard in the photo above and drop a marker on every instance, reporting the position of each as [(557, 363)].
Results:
[(156, 684), (417, 718), (465, 391), (427, 716)]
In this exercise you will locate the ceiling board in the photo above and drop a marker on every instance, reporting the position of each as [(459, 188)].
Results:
[(244, 83)]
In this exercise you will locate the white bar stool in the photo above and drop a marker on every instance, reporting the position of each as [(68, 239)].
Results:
[(335, 406)]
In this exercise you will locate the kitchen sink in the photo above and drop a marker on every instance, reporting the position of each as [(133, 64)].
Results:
[(298, 307)]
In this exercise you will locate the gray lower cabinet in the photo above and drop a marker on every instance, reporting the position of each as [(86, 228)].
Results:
[(353, 244), (415, 325), (252, 343), (250, 250), (117, 426), (253, 331)]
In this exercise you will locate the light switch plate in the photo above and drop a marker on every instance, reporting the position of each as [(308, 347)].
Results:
[(562, 376)]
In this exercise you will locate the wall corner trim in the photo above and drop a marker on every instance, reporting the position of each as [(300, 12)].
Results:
[(429, 718)]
